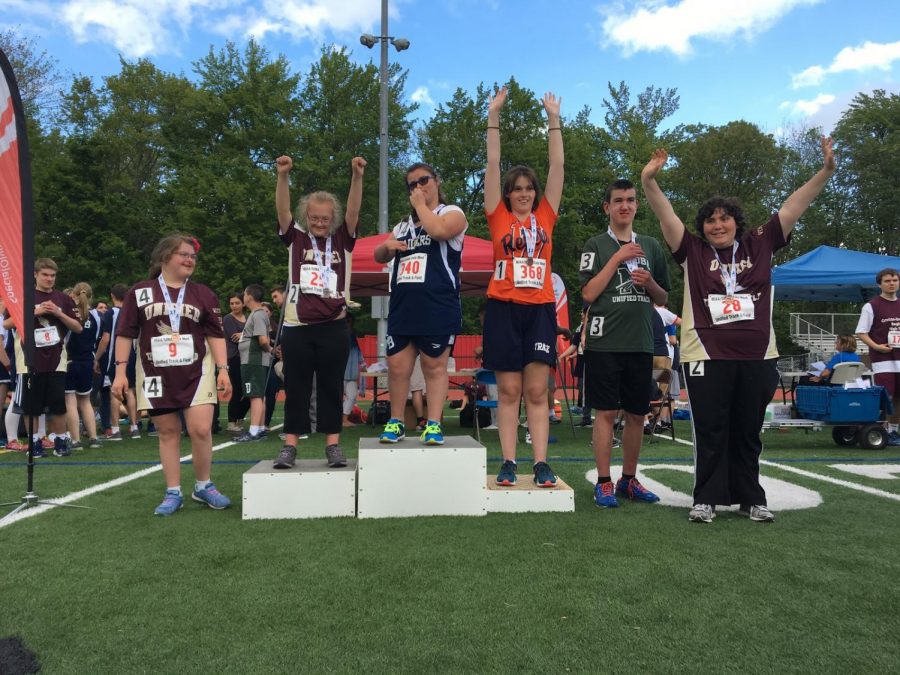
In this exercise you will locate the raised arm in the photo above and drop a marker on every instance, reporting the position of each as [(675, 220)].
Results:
[(354, 199), (670, 223), (492, 194), (555, 174), (797, 203), (283, 166)]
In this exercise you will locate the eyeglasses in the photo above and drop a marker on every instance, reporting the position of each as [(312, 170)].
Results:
[(318, 220), (422, 182), (192, 256)]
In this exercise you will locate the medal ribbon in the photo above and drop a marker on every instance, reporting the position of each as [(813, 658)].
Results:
[(174, 309)]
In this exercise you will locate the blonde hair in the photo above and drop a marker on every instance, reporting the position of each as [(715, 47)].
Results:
[(320, 196), (82, 294), (845, 343)]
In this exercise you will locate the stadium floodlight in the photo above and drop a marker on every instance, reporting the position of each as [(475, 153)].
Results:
[(400, 44), (368, 40)]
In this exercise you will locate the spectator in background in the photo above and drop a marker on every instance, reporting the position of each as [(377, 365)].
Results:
[(845, 352), (879, 328), (233, 325), (255, 360), (356, 363), (81, 348)]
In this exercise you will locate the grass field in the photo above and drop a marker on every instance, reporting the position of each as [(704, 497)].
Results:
[(637, 589)]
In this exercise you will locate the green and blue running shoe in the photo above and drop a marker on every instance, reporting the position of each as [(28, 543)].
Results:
[(433, 434), (543, 475), (394, 431), (507, 474)]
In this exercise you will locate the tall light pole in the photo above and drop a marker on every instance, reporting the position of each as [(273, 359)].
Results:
[(380, 304)]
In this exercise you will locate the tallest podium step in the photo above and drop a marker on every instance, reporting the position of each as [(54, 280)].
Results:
[(410, 478)]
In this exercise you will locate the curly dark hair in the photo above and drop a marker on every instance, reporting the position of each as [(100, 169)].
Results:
[(730, 205)]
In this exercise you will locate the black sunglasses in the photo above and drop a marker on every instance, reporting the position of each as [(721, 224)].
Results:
[(423, 181)]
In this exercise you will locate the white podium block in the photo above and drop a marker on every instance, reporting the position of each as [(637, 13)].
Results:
[(525, 496), (311, 489), (410, 478)]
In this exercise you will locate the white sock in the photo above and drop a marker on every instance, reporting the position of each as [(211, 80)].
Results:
[(12, 424), (892, 427), (177, 489), (254, 429), (42, 426), (201, 485)]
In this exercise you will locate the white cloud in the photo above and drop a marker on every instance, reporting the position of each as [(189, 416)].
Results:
[(657, 25), (423, 96), (302, 19), (134, 27), (807, 108), (868, 56)]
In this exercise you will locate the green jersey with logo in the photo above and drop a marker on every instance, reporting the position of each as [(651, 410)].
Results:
[(621, 318)]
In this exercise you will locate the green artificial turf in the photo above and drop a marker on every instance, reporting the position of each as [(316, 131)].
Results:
[(636, 589)]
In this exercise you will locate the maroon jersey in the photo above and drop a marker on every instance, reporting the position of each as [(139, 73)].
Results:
[(302, 306), (750, 339), (885, 318), (184, 376), (50, 333)]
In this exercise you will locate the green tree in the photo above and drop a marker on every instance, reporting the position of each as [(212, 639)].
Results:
[(868, 143), (39, 80)]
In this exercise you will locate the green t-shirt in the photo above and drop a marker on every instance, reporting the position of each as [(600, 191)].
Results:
[(621, 319)]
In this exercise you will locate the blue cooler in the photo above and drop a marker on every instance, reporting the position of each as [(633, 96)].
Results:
[(839, 406)]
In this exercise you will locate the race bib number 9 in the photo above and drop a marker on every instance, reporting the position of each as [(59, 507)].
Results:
[(172, 350), (730, 308), (412, 269), (529, 276)]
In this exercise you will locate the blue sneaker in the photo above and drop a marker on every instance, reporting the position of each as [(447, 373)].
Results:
[(634, 491), (604, 495), (211, 497), (170, 504), (543, 475), (37, 449), (893, 439), (61, 447), (507, 475), (433, 434), (394, 431)]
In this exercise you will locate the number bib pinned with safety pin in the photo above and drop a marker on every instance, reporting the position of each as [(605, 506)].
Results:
[(730, 308), (529, 275), (172, 350), (312, 282), (412, 269)]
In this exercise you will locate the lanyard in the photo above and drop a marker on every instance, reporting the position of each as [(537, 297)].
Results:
[(324, 270), (730, 280), (632, 263), (530, 244), (174, 310)]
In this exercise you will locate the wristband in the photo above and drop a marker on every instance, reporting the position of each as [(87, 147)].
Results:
[(119, 363), (218, 368), (555, 129), (490, 127)]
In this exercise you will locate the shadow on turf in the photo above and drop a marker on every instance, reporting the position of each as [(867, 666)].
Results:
[(16, 658)]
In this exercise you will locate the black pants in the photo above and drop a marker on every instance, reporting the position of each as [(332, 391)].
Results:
[(320, 349), (238, 405), (728, 405)]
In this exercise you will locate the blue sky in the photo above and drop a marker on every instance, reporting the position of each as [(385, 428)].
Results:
[(777, 63)]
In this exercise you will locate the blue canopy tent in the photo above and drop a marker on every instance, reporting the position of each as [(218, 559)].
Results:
[(828, 274)]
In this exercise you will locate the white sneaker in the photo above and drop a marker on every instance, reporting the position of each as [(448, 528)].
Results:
[(702, 513), (760, 514), (490, 427)]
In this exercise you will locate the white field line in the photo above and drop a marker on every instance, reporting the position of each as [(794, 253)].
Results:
[(818, 476), (100, 487), (834, 481)]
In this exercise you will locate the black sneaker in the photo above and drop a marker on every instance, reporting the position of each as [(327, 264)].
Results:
[(334, 456), (61, 447), (286, 457)]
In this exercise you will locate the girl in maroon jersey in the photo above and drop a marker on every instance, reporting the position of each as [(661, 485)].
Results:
[(181, 364)]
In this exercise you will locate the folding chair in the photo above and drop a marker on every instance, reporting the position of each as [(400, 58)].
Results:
[(663, 380), (485, 377), (847, 372)]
